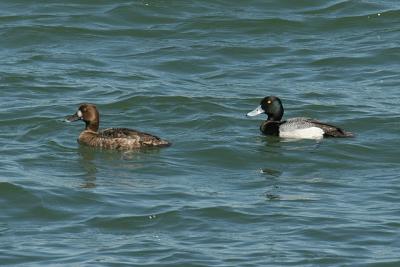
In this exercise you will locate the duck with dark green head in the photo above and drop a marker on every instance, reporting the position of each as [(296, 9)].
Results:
[(294, 128)]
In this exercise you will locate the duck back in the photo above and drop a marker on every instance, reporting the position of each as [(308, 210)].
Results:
[(303, 123)]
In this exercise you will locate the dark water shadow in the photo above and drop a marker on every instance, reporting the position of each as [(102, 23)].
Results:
[(86, 160), (94, 159), (282, 156), (306, 145)]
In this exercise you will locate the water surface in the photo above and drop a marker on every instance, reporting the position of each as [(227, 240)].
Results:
[(188, 71)]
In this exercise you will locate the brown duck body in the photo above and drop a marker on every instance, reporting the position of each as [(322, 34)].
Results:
[(120, 139), (111, 138)]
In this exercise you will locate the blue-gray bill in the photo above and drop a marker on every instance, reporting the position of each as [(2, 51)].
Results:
[(259, 110), (72, 118)]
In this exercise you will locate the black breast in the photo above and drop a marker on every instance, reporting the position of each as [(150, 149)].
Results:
[(270, 128)]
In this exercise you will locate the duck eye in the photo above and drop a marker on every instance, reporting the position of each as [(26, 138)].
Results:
[(269, 102)]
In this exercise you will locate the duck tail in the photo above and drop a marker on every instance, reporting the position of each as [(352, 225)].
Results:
[(342, 133), (157, 142), (338, 132), (163, 143), (348, 134)]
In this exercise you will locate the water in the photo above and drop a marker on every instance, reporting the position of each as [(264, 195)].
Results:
[(188, 71)]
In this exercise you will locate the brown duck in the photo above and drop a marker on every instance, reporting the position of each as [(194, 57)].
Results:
[(111, 138)]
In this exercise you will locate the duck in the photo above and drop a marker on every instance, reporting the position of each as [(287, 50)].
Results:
[(111, 138), (293, 128)]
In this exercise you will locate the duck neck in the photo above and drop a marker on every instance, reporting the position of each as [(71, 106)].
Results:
[(275, 117), (92, 125)]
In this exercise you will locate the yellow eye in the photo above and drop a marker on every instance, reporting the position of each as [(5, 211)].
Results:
[(269, 102)]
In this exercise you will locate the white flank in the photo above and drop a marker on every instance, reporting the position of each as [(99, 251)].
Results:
[(307, 133)]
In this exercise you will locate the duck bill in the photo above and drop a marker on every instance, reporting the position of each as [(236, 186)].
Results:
[(256, 112), (72, 118)]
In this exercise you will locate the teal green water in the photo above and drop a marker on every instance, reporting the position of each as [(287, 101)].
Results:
[(188, 71)]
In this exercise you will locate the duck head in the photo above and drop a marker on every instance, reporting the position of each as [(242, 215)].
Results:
[(270, 105), (87, 113)]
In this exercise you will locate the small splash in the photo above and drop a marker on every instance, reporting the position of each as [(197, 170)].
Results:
[(88, 185), (271, 172), (272, 196), (298, 198)]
